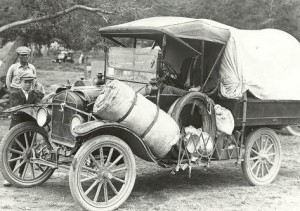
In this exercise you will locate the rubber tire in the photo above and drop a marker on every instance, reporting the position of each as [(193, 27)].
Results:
[(293, 130), (88, 147), (246, 165), (4, 168), (178, 105)]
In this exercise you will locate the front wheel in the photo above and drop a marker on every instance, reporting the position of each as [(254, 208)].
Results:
[(17, 150), (262, 156), (103, 173)]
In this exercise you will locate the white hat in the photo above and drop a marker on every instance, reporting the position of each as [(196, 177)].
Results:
[(23, 50)]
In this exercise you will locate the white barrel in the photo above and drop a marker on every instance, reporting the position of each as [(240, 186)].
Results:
[(118, 102)]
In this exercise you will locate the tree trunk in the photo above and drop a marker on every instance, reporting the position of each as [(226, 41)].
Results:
[(98, 11), (11, 56), (39, 50)]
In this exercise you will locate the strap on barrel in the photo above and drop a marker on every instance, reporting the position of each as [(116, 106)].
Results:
[(129, 110), (152, 123)]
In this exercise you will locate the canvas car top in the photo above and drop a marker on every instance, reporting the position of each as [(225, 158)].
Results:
[(254, 60), (180, 27)]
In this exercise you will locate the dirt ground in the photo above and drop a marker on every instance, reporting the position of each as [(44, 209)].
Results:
[(221, 187)]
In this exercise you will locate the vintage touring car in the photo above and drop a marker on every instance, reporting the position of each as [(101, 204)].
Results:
[(103, 170)]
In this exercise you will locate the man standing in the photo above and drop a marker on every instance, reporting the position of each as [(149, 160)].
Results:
[(13, 81)]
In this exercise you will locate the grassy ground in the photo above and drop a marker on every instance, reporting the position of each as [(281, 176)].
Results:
[(221, 187), (54, 74)]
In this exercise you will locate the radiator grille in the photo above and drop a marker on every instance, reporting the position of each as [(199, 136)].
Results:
[(61, 117)]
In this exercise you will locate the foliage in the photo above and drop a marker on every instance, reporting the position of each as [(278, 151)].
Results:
[(79, 30), (70, 29)]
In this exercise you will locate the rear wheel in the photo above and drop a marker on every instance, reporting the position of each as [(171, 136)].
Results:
[(16, 152), (262, 156), (103, 173)]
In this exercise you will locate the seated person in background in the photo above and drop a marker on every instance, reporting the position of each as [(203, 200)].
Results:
[(188, 80)]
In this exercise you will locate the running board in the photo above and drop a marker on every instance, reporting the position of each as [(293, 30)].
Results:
[(49, 164)]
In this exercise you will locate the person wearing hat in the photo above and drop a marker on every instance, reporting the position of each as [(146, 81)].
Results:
[(13, 81), (25, 95)]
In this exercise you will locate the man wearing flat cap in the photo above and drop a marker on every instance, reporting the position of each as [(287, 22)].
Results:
[(13, 81), (25, 95)]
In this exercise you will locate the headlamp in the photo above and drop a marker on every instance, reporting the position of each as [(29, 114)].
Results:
[(75, 121), (43, 117)]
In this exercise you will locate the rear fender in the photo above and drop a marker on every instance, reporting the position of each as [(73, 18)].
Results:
[(91, 129)]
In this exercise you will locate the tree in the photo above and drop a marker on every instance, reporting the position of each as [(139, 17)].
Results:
[(79, 30), (32, 32)]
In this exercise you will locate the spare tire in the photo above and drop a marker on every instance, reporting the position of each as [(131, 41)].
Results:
[(196, 109), (292, 130)]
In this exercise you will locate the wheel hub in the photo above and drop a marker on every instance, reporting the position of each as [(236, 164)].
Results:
[(27, 154), (263, 156), (105, 175)]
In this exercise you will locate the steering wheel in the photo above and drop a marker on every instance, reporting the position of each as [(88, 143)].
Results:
[(168, 75), (171, 69)]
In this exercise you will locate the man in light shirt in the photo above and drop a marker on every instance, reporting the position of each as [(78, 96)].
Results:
[(13, 81)]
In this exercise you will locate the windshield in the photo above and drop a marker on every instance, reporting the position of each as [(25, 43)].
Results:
[(134, 65)]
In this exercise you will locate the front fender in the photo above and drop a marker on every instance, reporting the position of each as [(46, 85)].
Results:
[(97, 127), (30, 109)]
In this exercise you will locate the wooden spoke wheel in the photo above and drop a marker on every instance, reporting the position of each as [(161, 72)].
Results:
[(103, 173), (262, 156), (16, 152)]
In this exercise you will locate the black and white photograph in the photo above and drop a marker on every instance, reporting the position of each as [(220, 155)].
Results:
[(150, 105)]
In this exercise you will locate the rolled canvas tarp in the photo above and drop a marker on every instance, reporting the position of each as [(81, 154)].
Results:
[(119, 103)]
